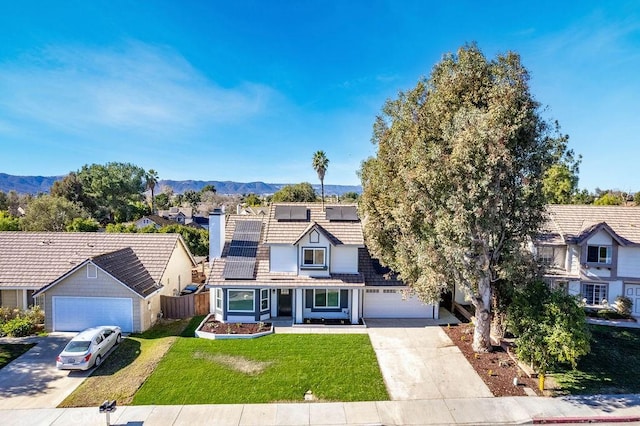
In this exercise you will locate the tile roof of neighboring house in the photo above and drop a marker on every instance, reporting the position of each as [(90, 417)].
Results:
[(572, 223), (174, 211), (35, 259), (262, 275), (127, 268), (289, 231)]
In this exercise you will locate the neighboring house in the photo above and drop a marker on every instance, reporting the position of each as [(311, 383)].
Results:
[(155, 220), (253, 211), (593, 252), (301, 262), (201, 222), (181, 215), (87, 279)]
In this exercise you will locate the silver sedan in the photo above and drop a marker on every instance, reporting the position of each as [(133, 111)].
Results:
[(89, 348)]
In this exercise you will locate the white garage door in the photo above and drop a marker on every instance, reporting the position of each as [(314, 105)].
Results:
[(388, 303), (78, 313), (633, 293)]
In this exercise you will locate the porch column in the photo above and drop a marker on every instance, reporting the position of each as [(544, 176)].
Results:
[(25, 303), (299, 305), (355, 305)]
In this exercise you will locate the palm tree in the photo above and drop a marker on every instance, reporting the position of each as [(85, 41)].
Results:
[(320, 164), (151, 179)]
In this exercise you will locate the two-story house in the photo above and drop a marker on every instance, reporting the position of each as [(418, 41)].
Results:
[(593, 252), (303, 262)]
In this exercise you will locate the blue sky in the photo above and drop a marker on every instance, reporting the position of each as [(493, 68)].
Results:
[(249, 90)]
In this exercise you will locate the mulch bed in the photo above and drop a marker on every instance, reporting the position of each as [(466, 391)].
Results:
[(217, 327), (496, 368)]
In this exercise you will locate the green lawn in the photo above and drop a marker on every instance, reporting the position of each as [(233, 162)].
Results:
[(125, 370), (336, 367), (11, 351), (612, 367)]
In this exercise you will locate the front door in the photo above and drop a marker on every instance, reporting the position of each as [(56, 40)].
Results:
[(284, 302)]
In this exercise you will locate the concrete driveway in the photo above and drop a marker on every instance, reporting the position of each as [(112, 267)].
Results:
[(419, 361), (32, 380)]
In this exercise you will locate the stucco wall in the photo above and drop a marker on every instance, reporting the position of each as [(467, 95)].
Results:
[(629, 261), (344, 260), (283, 258)]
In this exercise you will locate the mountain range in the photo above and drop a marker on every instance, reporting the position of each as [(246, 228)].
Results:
[(37, 184)]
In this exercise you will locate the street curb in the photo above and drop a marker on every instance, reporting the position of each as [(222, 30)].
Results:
[(573, 420)]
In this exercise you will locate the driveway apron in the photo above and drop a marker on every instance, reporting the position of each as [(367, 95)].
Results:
[(419, 361), (33, 381)]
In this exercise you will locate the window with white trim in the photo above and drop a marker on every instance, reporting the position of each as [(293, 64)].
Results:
[(219, 299), (599, 254), (241, 301), (313, 257), (324, 298), (593, 293), (546, 255), (264, 299), (92, 270)]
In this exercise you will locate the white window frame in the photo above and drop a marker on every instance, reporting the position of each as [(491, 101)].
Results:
[(314, 265), (546, 255), (326, 298), (264, 306), (92, 268), (606, 260), (594, 293), (253, 300), (219, 299)]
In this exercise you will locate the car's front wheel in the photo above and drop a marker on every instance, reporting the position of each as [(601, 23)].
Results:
[(98, 361), (118, 339)]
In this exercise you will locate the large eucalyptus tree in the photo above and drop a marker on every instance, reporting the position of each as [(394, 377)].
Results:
[(455, 188)]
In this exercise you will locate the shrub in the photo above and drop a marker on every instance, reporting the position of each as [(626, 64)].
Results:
[(623, 305), (19, 327), (610, 314)]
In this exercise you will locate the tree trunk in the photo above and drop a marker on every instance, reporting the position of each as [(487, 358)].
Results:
[(322, 189), (482, 303)]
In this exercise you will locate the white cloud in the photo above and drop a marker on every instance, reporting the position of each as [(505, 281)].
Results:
[(140, 87)]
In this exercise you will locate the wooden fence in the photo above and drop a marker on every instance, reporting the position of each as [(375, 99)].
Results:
[(185, 306)]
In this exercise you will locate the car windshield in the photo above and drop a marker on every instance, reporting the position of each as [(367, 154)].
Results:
[(77, 346)]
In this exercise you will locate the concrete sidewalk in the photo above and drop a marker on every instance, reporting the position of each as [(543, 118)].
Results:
[(508, 410)]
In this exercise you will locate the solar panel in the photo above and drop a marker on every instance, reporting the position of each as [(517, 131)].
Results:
[(240, 262), (298, 213), (239, 268), (248, 226), (243, 251), (346, 213), (291, 213), (283, 212)]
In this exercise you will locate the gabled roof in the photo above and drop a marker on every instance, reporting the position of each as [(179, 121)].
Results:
[(571, 224), (127, 268), (262, 275), (35, 259), (314, 226), (124, 266), (289, 231)]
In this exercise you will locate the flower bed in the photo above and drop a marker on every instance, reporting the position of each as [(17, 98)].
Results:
[(210, 328)]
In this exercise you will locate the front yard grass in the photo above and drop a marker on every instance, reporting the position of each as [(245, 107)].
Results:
[(612, 367), (11, 351), (125, 370), (275, 368)]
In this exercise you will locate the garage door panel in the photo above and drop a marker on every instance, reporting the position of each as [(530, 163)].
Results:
[(78, 313), (380, 303)]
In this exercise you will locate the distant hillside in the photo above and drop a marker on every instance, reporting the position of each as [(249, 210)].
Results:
[(36, 184), (260, 188), (26, 184)]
